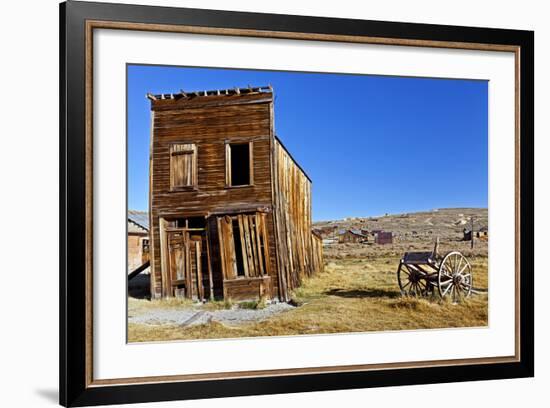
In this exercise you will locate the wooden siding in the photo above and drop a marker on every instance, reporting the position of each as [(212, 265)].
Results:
[(209, 125), (317, 256), (349, 236), (135, 251), (292, 201)]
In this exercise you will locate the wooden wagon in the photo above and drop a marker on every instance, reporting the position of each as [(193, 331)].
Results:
[(420, 273)]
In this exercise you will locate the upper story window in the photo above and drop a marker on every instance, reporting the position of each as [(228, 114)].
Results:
[(183, 165), (239, 164)]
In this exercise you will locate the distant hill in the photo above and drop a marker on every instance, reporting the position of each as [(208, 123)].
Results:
[(443, 222)]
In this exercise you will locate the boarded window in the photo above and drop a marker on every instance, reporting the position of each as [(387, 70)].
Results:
[(239, 164), (183, 165)]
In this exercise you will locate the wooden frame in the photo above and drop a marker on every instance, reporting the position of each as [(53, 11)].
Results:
[(77, 384), (174, 151), (228, 178)]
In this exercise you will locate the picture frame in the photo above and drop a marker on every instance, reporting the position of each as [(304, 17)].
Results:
[(78, 20)]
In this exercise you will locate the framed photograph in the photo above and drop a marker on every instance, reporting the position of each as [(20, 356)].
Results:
[(256, 204)]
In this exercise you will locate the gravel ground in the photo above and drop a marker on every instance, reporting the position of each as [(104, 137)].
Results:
[(195, 316)]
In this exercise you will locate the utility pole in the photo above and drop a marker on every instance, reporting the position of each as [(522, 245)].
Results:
[(472, 232)]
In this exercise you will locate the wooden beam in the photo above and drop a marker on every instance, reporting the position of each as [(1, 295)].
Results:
[(209, 264), (244, 252), (138, 270), (249, 253), (227, 164), (200, 286), (260, 253), (188, 276)]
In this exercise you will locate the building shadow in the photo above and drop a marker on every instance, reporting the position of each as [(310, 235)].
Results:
[(139, 286), (363, 293)]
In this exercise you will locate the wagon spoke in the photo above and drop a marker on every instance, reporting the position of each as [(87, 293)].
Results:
[(447, 289), (464, 286), (448, 267), (422, 287), (459, 265), (463, 268), (456, 296)]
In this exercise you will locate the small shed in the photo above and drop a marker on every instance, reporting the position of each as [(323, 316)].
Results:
[(327, 230), (138, 239), (352, 236), (483, 233)]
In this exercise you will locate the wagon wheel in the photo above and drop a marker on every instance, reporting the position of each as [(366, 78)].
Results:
[(455, 277), (411, 281)]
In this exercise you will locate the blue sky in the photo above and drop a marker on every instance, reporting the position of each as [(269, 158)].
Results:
[(371, 144)]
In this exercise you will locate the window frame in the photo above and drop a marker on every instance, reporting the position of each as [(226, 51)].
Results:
[(194, 166), (228, 144)]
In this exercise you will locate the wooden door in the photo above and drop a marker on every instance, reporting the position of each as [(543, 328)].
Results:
[(227, 247), (184, 264), (244, 245)]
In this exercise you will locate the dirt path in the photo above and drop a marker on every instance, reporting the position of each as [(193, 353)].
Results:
[(194, 315)]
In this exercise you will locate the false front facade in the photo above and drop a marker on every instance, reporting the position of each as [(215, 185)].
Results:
[(230, 209)]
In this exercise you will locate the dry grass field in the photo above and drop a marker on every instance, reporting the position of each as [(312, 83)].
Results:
[(351, 295), (356, 292)]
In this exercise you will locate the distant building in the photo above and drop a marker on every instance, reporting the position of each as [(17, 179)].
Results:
[(383, 237), (352, 236), (327, 230), (138, 239), (482, 233), (329, 241)]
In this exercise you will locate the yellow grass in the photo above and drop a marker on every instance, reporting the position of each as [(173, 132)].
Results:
[(351, 295)]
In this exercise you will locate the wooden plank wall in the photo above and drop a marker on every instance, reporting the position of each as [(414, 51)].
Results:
[(297, 256), (317, 256), (209, 123)]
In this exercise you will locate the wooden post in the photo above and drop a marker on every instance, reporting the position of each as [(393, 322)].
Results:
[(436, 247), (210, 278)]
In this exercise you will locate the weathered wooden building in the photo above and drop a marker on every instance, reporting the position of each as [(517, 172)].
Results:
[(482, 233), (138, 239), (230, 209), (352, 236)]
